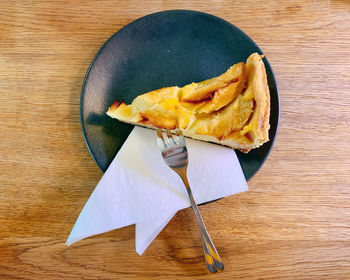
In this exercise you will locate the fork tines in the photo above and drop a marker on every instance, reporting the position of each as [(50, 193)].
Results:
[(168, 139)]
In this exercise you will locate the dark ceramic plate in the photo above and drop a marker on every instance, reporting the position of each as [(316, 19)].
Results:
[(163, 49)]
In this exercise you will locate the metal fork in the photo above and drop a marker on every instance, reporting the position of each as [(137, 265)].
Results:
[(174, 152)]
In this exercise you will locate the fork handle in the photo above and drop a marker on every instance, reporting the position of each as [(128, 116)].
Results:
[(212, 258)]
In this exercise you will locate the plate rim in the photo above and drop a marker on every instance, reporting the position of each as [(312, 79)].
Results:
[(87, 74)]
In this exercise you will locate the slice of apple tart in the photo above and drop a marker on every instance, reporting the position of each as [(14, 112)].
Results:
[(232, 109)]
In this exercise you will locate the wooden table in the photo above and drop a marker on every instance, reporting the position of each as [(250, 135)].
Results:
[(294, 223)]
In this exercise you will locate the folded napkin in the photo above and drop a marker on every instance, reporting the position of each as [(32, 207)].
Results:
[(139, 188)]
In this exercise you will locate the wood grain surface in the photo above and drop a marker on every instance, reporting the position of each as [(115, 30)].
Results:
[(294, 223)]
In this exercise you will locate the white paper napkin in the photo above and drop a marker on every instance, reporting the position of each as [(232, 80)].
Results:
[(139, 188)]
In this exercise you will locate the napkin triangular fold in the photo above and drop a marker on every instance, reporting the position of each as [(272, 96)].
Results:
[(139, 188)]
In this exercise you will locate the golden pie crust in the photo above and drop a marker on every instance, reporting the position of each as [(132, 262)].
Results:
[(232, 109)]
